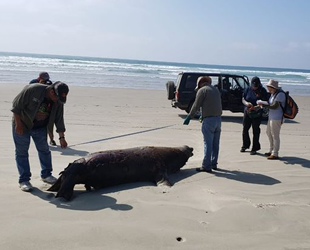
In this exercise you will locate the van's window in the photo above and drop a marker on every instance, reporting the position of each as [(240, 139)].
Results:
[(234, 84), (215, 80), (178, 80), (191, 82), (242, 83)]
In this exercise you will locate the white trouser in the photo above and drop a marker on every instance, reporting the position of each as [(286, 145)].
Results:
[(273, 133)]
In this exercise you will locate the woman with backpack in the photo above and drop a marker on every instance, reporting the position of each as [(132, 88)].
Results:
[(276, 104), (252, 114)]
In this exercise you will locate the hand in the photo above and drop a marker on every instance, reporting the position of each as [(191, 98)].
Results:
[(250, 105), (187, 120), (19, 129), (63, 143)]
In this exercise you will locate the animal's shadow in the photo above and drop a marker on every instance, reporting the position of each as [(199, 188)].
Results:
[(241, 176), (292, 160), (69, 151), (97, 199), (93, 201)]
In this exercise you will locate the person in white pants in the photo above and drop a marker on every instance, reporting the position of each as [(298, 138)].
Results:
[(276, 102)]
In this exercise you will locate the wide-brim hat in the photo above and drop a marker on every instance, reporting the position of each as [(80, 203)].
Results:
[(273, 84), (203, 80)]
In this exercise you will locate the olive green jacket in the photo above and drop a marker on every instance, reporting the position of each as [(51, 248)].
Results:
[(27, 103)]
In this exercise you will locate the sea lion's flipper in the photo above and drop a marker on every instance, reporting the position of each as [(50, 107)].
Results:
[(161, 179), (56, 186)]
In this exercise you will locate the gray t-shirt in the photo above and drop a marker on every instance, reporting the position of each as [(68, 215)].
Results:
[(277, 114), (208, 98)]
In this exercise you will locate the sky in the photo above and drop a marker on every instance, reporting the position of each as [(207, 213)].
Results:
[(261, 33)]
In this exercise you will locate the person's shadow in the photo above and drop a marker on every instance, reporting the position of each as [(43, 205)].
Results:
[(225, 118), (292, 160), (246, 177), (69, 151)]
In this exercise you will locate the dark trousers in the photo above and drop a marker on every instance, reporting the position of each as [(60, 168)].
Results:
[(247, 123)]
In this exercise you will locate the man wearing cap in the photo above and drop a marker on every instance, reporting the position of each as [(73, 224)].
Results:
[(208, 98), (44, 78), (252, 114), (275, 119), (36, 108)]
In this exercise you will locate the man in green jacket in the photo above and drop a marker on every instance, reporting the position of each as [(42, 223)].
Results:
[(36, 108)]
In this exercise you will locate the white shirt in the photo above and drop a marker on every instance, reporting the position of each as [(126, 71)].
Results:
[(277, 114)]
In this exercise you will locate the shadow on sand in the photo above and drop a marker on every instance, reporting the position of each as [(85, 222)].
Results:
[(225, 118), (93, 201), (237, 119), (97, 199), (246, 177), (292, 160), (69, 151)]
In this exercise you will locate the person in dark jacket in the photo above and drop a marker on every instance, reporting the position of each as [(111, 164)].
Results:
[(36, 108), (252, 114), (43, 78)]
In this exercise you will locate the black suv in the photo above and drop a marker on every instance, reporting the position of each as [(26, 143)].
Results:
[(182, 95)]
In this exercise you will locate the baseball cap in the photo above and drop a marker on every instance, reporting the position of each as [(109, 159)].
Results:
[(44, 75), (61, 90), (255, 82)]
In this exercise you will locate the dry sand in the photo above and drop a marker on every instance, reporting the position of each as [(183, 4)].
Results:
[(251, 203)]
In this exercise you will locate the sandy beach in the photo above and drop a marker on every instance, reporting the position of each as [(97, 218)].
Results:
[(250, 203)]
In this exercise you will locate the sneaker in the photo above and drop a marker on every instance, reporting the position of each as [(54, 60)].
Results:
[(267, 154), (50, 179), (52, 142), (202, 169), (25, 186), (214, 167)]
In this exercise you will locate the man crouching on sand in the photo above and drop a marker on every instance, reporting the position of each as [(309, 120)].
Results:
[(34, 109), (208, 98)]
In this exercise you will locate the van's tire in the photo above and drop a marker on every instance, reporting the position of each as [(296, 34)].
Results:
[(170, 90)]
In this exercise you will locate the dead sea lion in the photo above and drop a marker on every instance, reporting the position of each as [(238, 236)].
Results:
[(114, 167)]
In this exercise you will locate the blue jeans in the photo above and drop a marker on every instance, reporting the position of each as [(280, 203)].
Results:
[(22, 143), (211, 130)]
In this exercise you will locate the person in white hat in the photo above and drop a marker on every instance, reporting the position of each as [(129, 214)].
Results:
[(275, 120)]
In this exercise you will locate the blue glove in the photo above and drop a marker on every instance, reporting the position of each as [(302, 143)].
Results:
[(187, 119)]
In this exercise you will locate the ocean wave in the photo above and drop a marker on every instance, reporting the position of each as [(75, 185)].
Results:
[(105, 72)]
